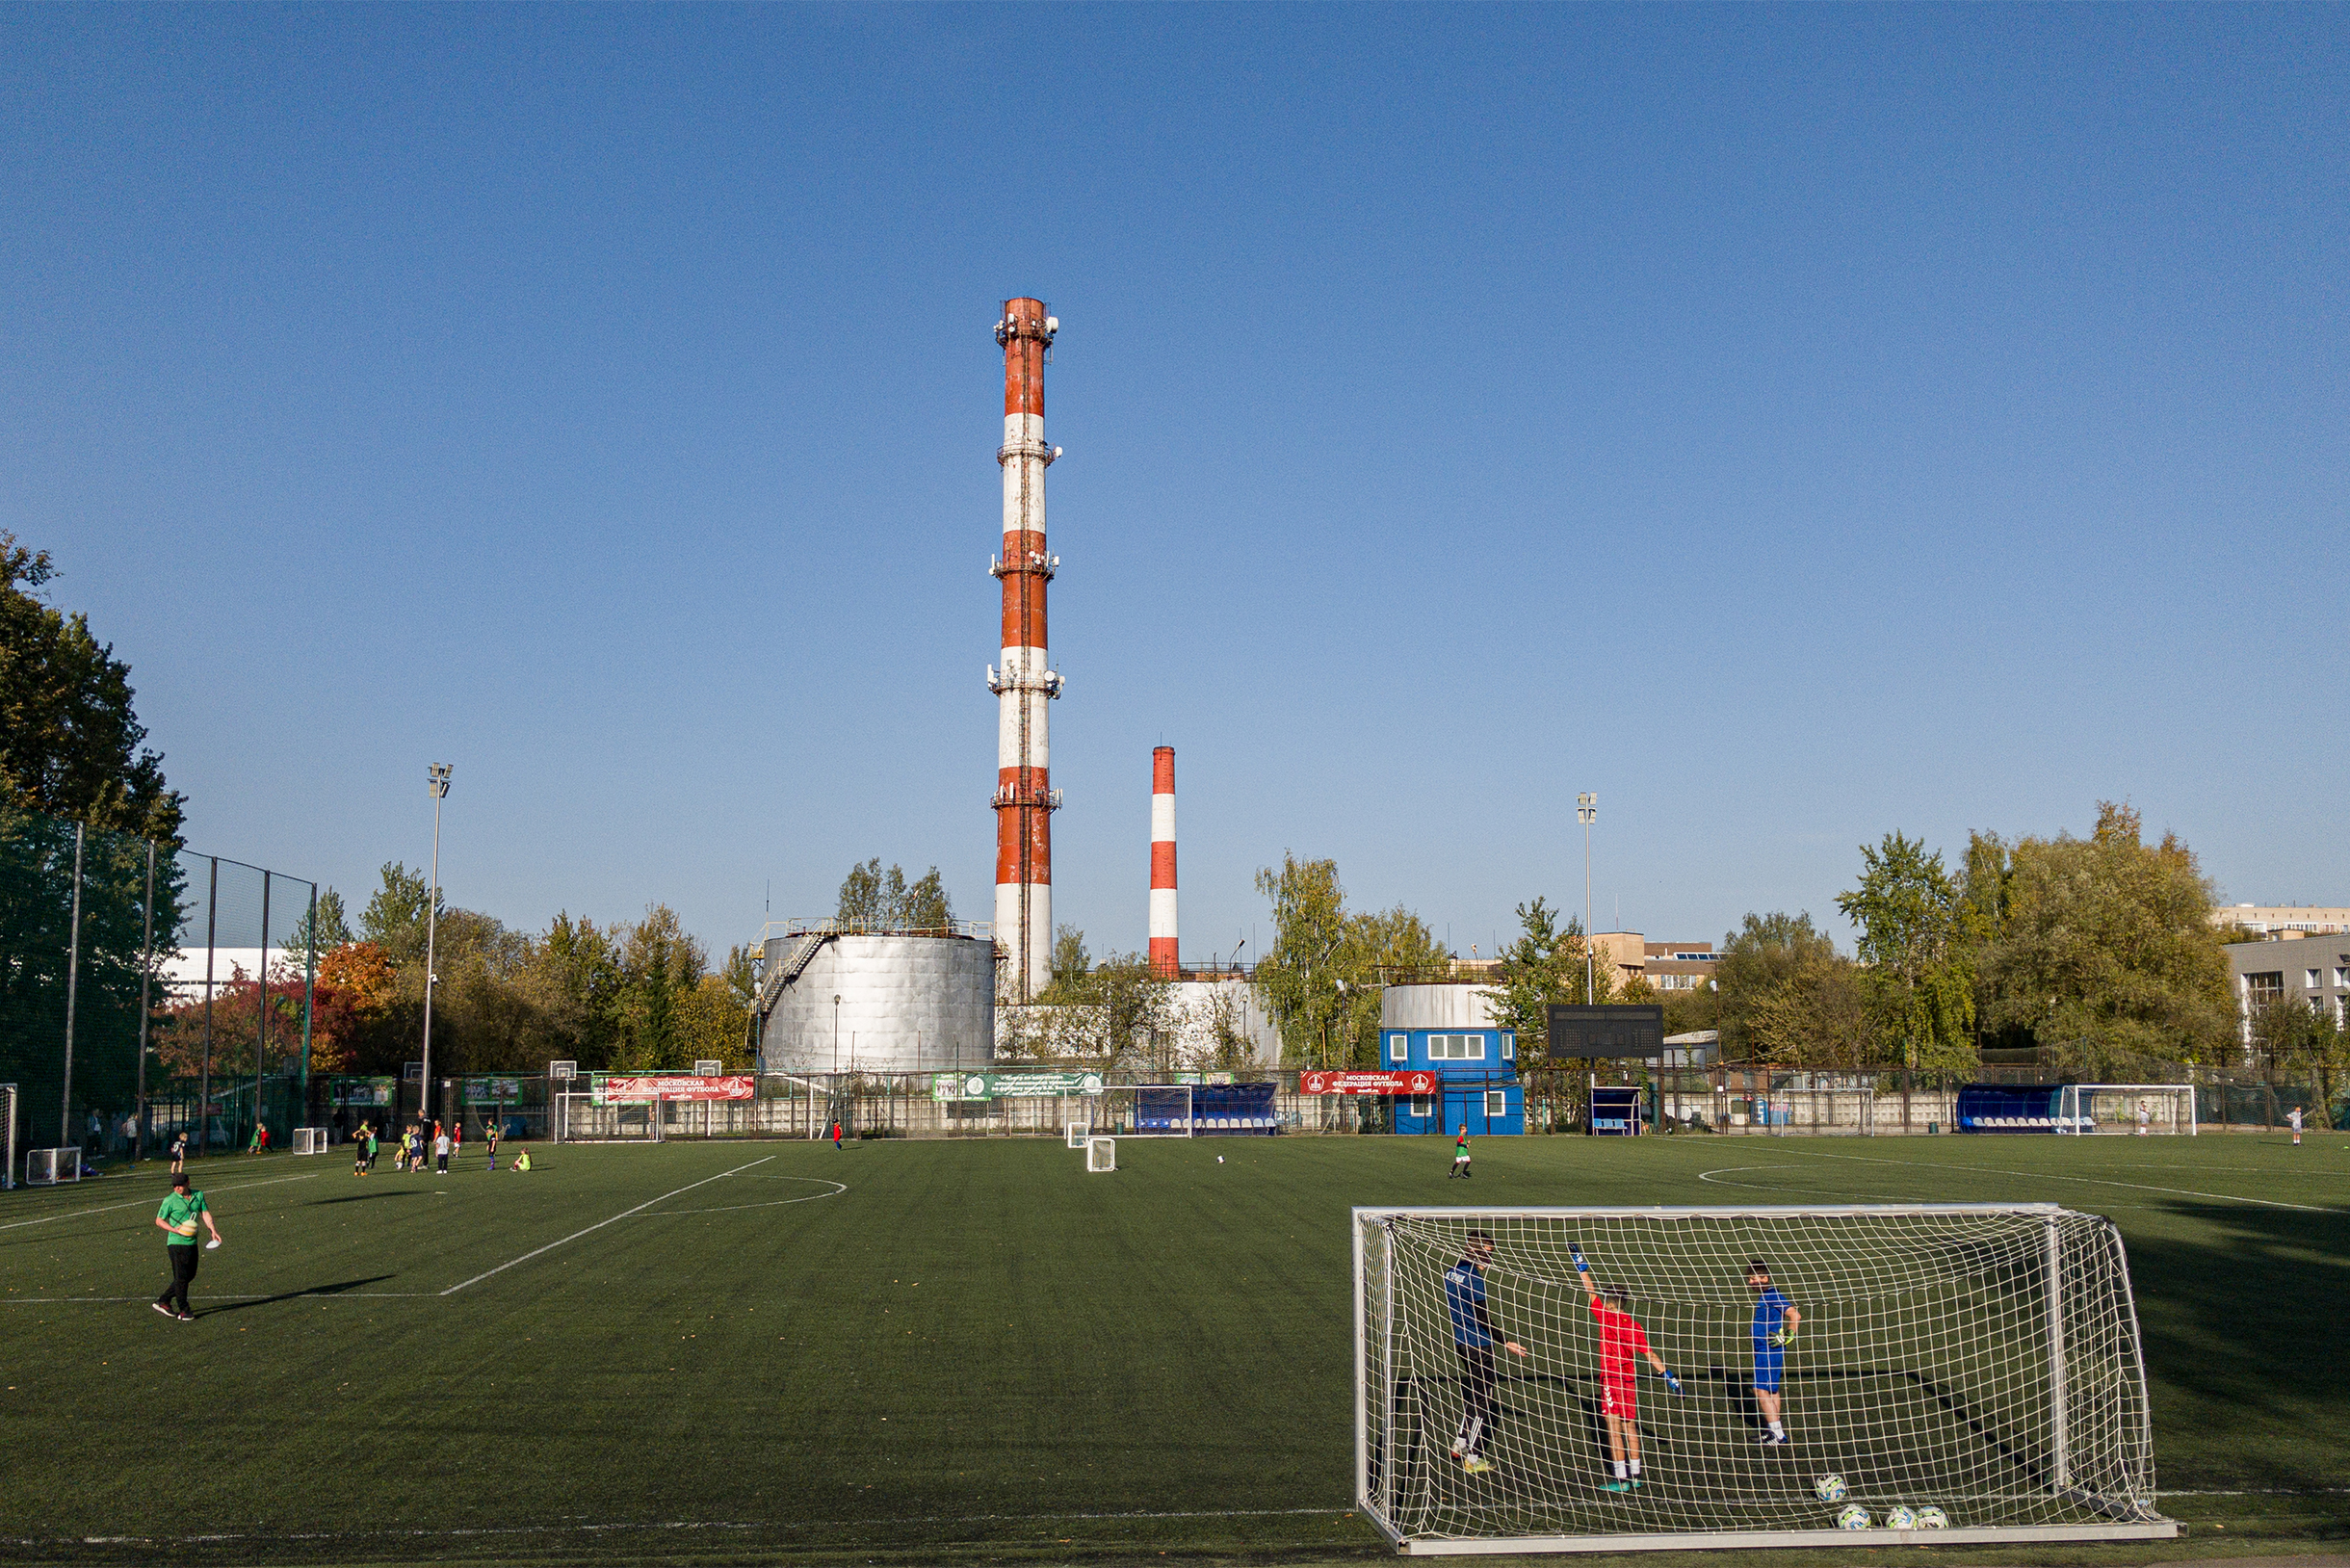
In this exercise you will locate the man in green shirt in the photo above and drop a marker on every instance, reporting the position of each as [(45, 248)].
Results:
[(178, 1221)]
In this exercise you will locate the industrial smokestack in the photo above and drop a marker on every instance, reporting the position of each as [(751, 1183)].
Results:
[(1162, 861), (1025, 799)]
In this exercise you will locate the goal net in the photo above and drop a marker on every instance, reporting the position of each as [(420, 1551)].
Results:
[(2115, 1107), (1957, 1373), (309, 1141), (1101, 1154), (46, 1167), (1079, 1133)]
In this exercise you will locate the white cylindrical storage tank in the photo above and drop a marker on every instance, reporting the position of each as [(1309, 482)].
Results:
[(1442, 1005), (905, 1003)]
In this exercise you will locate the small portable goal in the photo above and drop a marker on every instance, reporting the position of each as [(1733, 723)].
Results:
[(1101, 1154), (309, 1141), (1081, 1133), (1960, 1373), (46, 1167)]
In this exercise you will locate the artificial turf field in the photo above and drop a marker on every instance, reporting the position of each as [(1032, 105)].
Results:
[(971, 1351)]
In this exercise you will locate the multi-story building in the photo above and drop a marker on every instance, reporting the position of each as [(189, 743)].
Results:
[(2312, 968), (2283, 918), (1668, 966)]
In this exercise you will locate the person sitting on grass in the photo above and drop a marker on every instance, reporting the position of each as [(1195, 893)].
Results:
[(522, 1161)]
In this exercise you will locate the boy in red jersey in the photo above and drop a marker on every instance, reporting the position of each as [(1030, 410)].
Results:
[(1622, 1344)]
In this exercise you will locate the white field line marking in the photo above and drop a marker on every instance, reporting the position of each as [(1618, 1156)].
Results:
[(134, 1203), (601, 1223), (678, 1524), (2096, 1181), (838, 1188), (213, 1295)]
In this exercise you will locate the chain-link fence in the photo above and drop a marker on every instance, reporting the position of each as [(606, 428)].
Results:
[(146, 991)]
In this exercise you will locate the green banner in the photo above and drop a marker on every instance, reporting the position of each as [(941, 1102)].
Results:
[(1033, 1084), (359, 1091), (491, 1090)]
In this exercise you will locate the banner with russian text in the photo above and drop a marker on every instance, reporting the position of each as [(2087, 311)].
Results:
[(612, 1089), (1332, 1083)]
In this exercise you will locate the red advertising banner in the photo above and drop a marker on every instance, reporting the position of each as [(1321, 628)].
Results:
[(612, 1089), (1321, 1083)]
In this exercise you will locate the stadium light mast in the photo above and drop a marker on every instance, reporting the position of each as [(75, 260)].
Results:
[(1587, 812), (437, 779)]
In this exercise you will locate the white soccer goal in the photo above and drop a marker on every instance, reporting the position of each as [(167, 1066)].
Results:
[(1101, 1154), (1981, 1360), (309, 1141), (2113, 1108), (46, 1167), (1080, 1133), (8, 1135)]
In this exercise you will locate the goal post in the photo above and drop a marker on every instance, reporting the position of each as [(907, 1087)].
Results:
[(309, 1141), (1079, 1133), (1958, 1373), (2084, 1109), (1101, 1155)]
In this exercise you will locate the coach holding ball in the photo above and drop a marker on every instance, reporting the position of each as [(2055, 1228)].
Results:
[(176, 1219)]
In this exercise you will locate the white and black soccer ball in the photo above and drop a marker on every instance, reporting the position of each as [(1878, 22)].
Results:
[(1852, 1516), (1898, 1517), (1930, 1517), (1220, 1159), (1829, 1488)]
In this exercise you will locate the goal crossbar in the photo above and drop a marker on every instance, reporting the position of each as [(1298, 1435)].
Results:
[(1975, 1367)]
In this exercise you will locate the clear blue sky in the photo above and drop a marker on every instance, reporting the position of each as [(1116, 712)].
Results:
[(1794, 424)]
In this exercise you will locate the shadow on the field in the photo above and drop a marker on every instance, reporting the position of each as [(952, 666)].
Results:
[(2236, 1337), (295, 1296), (381, 1192)]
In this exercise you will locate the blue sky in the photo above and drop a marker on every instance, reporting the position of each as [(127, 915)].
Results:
[(1793, 424)]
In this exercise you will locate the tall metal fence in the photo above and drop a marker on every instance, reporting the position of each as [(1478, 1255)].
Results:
[(134, 997)]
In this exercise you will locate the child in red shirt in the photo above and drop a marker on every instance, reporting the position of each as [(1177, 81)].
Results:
[(1622, 1344)]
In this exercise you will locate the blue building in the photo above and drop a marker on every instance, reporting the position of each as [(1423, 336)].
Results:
[(1448, 1029)]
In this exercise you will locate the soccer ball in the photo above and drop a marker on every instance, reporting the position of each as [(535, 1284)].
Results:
[(1930, 1517), (1830, 1488), (1897, 1517), (1852, 1516), (1220, 1159)]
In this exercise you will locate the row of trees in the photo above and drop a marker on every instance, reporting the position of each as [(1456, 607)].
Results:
[(637, 996), (2095, 958)]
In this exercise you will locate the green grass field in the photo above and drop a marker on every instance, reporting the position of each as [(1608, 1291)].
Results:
[(967, 1351)]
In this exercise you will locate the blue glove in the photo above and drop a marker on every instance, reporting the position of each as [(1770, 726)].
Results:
[(1576, 1251), (1672, 1382)]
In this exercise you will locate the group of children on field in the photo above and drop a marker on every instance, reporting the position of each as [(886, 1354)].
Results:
[(417, 1146)]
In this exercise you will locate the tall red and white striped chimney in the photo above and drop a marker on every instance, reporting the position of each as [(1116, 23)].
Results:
[(1025, 799), (1163, 960)]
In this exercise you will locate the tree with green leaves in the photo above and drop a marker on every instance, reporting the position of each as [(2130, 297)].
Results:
[(1068, 967), (70, 743), (318, 932), (875, 899), (1760, 961), (1303, 976), (1544, 965), (1914, 934), (395, 916), (2100, 951)]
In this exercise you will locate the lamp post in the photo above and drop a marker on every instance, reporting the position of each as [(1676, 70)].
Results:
[(1587, 812), (836, 1039), (437, 779)]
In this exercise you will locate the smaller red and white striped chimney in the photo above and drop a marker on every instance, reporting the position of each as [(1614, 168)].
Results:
[(1163, 960)]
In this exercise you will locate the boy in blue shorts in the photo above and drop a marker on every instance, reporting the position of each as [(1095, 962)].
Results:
[(1774, 1328)]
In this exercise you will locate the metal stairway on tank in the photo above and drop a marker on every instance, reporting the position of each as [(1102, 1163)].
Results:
[(794, 959)]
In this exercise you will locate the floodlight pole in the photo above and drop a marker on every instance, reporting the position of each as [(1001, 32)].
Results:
[(437, 779), (1586, 812)]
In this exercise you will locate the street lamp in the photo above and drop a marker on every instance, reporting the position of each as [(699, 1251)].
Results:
[(836, 1038), (1587, 812), (437, 779)]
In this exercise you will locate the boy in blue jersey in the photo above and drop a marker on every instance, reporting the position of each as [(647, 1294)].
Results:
[(1774, 1328), (1473, 1342)]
